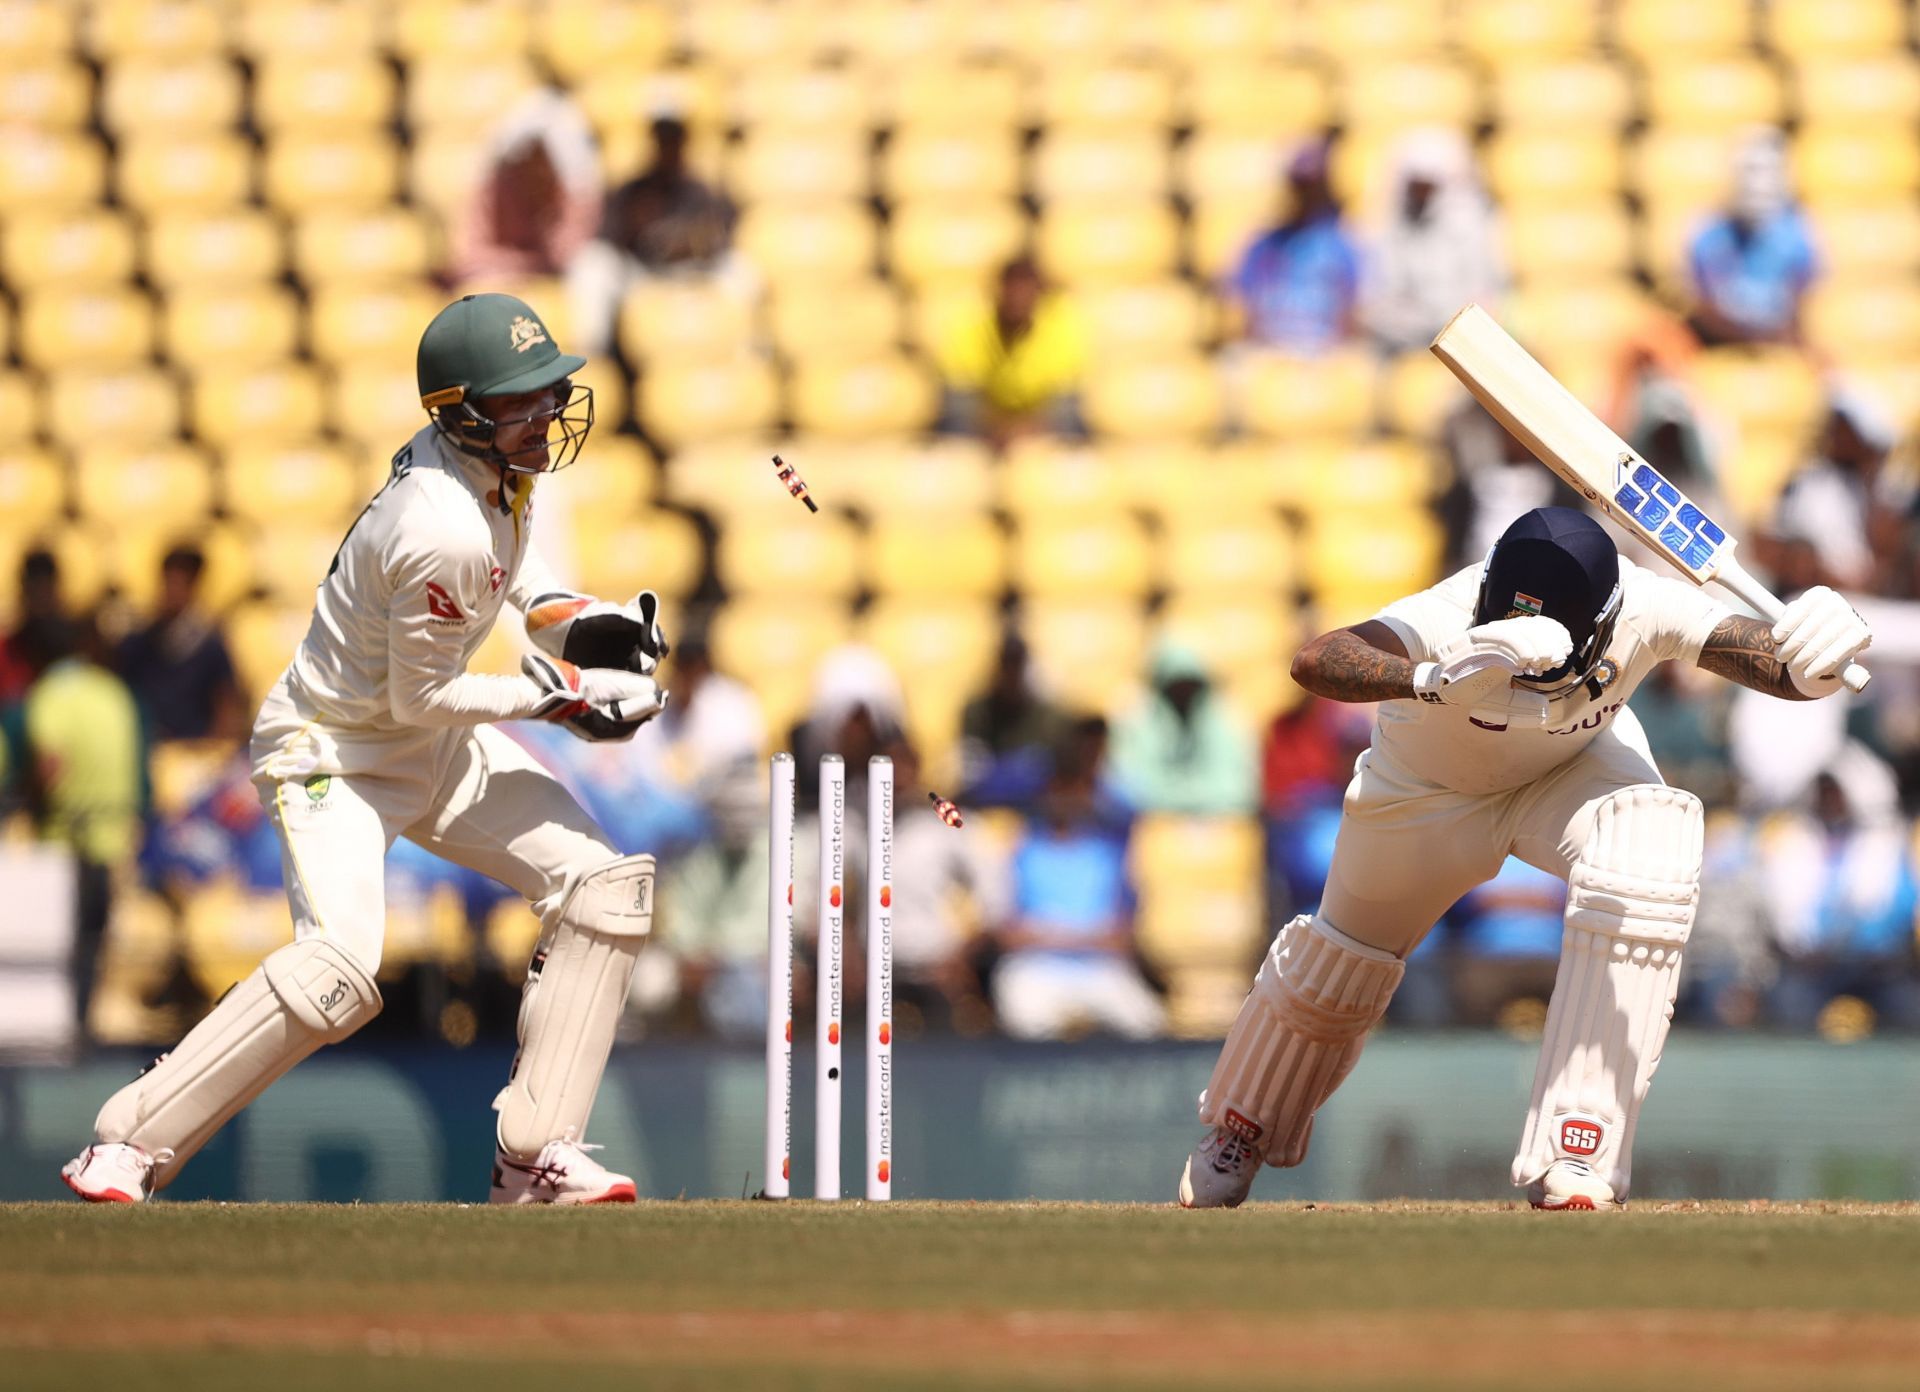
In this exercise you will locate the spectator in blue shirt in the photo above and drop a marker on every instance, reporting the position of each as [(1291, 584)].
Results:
[(1750, 266), (1298, 285)]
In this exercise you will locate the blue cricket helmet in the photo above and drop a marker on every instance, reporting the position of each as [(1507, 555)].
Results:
[(1558, 562)]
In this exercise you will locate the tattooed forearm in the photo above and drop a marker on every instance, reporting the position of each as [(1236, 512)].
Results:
[(1741, 650), (1343, 666)]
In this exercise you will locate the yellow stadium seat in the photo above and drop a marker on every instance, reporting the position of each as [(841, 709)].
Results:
[(734, 473), (1223, 228), (443, 169), (1241, 166), (1714, 94), (1042, 31), (1584, 319), (681, 403), (1690, 165), (1107, 240), (940, 239), (1553, 166), (778, 162), (122, 29), (790, 553), (1868, 320), (1120, 95), (1575, 91), (32, 29), (383, 246), (1146, 319), (1357, 560), (1185, 484), (886, 394), (774, 647), (612, 395), (132, 406), (1210, 35), (1414, 398), (924, 556), (1165, 396), (807, 242), (94, 248), (945, 95), (1656, 31), (882, 35), (1855, 164), (616, 555), (949, 474), (1218, 555), (845, 319), (231, 563), (21, 401), (209, 173), (214, 250), (616, 477), (378, 405), (836, 99), (1807, 28), (1767, 391), (1088, 655), (208, 327), (745, 35), (265, 483), (1397, 95), (1870, 89), (1082, 163), (158, 97), (1044, 480), (440, 28), (1556, 244), (952, 642), (330, 171), (1246, 642), (239, 403), (685, 318), (946, 161), (1358, 30), (263, 639), (33, 487), (1514, 33), (168, 486), (103, 328), (1245, 97), (51, 172), (49, 93), (576, 37), (465, 91), (1874, 238), (371, 325), (1066, 558), (1330, 477), (1199, 881), (339, 29), (620, 107), (1286, 397), (344, 91)]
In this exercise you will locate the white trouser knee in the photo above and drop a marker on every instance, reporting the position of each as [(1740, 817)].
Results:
[(1631, 897), (306, 994), (576, 989), (1299, 1033)]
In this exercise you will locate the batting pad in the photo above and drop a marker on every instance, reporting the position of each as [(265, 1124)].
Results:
[(575, 992), (1630, 903), (306, 994), (1299, 1033)]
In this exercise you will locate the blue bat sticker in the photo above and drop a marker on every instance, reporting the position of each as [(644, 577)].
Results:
[(1671, 520)]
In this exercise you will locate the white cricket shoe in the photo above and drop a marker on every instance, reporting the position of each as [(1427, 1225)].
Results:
[(1220, 1171), (1571, 1184), (563, 1174), (111, 1172)]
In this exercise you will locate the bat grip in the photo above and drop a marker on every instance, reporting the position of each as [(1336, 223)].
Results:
[(1853, 676)]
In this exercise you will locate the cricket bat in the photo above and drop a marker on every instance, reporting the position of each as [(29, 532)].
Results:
[(1577, 445)]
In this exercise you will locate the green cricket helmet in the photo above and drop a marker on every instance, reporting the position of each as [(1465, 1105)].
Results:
[(486, 346)]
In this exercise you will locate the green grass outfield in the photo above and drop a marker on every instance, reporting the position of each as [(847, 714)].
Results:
[(855, 1297)]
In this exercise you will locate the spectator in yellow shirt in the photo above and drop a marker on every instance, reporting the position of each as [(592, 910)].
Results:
[(1013, 368)]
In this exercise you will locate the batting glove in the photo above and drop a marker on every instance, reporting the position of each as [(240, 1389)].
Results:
[(1533, 644), (1818, 635), (1483, 684)]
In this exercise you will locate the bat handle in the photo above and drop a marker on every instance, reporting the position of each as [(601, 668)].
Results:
[(1738, 580), (1856, 677)]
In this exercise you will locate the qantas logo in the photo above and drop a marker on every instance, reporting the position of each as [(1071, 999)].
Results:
[(441, 606), (494, 577)]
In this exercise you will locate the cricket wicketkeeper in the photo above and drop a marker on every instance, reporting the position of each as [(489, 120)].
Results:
[(377, 730), (1504, 730)]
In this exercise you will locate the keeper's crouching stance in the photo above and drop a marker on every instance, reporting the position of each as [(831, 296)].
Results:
[(1503, 729), (377, 730)]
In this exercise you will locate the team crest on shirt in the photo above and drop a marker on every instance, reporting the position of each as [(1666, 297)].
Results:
[(317, 786), (523, 333), (440, 606), (1604, 675)]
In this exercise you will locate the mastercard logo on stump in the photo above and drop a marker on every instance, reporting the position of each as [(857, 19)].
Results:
[(886, 1032), (833, 1033), (886, 896), (833, 896), (885, 1172)]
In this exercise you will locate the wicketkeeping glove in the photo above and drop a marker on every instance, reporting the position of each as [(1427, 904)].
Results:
[(595, 704), (591, 632)]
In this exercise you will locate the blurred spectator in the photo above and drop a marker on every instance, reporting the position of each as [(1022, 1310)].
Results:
[(1007, 733), (82, 733), (1840, 518), (1684, 713), (714, 722), (1440, 248), (713, 908), (1492, 480), (665, 222), (1308, 755), (1841, 879), (1013, 367), (40, 602), (857, 712), (1751, 264), (538, 202), (1730, 957), (1297, 286), (178, 666), (1068, 958), (1509, 943), (1183, 750)]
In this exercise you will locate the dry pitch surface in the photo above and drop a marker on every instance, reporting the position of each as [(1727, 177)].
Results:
[(856, 1297)]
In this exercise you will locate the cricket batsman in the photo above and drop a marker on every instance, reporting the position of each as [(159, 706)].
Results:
[(377, 730), (1503, 729)]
